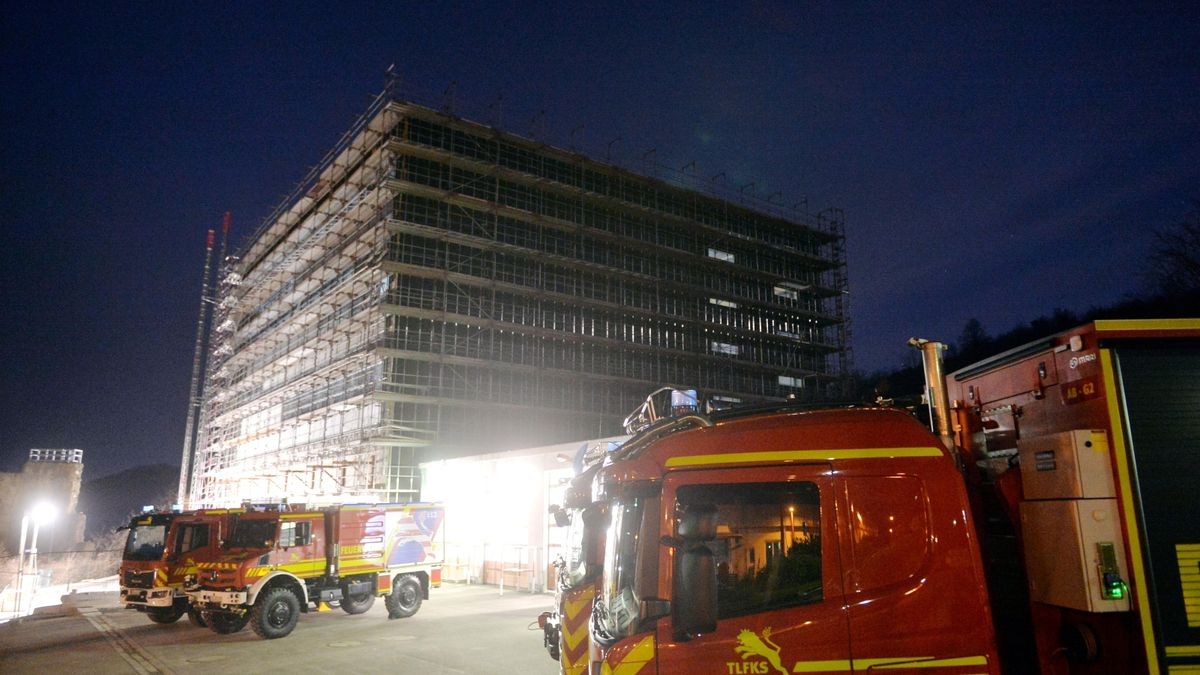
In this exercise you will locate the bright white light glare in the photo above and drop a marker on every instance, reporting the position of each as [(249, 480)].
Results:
[(43, 513), (516, 488)]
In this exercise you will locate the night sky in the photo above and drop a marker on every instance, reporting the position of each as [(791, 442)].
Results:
[(993, 161)]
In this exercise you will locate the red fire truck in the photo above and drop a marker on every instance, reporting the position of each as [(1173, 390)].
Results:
[(831, 541), (565, 630), (277, 563), (160, 551), (1084, 447)]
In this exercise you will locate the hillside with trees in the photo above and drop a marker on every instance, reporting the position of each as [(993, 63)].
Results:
[(1171, 276), (109, 501)]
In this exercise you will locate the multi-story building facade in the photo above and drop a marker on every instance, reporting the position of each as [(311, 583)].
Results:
[(440, 288), (53, 476)]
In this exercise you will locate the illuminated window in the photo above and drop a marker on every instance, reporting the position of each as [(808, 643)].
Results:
[(788, 381), (788, 293), (725, 348), (723, 303), (720, 255)]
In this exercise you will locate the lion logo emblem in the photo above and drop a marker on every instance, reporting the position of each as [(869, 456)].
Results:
[(750, 644)]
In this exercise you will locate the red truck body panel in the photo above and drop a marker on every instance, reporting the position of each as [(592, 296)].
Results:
[(900, 575), (1136, 385), (188, 536)]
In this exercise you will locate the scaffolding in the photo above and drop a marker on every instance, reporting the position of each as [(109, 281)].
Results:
[(438, 288)]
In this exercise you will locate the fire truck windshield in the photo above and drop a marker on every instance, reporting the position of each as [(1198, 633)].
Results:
[(253, 533), (146, 542), (630, 565)]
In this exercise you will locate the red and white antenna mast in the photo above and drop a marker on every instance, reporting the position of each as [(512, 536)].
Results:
[(189, 434)]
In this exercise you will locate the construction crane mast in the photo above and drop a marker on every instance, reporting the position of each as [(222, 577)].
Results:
[(189, 439)]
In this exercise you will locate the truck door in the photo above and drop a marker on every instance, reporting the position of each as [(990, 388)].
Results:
[(779, 580), (301, 544), (913, 583)]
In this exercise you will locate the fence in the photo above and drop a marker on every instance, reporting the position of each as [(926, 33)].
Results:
[(516, 566)]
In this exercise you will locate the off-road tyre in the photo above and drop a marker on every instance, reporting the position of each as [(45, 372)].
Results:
[(405, 598), (356, 604), (223, 623), (165, 615), (275, 613)]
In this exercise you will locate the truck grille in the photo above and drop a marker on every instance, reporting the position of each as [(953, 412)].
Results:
[(136, 579)]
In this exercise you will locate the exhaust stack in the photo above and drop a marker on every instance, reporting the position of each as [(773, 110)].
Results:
[(935, 388)]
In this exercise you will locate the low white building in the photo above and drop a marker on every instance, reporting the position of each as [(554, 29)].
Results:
[(498, 529)]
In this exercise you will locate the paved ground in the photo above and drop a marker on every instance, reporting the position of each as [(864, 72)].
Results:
[(460, 629)]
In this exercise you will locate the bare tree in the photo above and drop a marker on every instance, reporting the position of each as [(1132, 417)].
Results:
[(1175, 258), (973, 342)]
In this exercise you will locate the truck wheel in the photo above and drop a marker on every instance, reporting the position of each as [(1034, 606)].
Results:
[(357, 604), (275, 613), (165, 614), (225, 624), (196, 617), (405, 598)]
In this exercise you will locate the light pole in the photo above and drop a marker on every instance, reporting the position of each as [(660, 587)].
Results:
[(792, 518), (42, 513)]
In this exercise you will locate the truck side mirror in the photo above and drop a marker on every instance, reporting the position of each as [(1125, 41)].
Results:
[(694, 606), (561, 517)]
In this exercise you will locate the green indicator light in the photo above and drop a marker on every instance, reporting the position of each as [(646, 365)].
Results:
[(1112, 586)]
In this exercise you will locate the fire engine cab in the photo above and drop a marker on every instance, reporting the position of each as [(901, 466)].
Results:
[(781, 541)]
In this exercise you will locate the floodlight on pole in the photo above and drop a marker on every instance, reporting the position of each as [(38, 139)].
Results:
[(41, 513)]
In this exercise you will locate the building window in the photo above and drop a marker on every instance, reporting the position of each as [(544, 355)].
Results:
[(725, 348), (787, 293), (720, 255), (789, 381), (723, 303)]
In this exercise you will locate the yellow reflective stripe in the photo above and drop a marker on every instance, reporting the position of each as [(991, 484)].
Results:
[(1109, 325), (634, 660), (889, 663), (1188, 557), (820, 666), (1186, 669), (929, 662), (303, 566), (361, 565), (1184, 650), (299, 516), (802, 455), (573, 638), (1126, 486), (573, 606)]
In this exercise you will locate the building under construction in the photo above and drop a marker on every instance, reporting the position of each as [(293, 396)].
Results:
[(438, 288)]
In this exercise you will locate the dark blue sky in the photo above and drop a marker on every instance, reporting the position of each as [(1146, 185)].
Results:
[(994, 161)]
